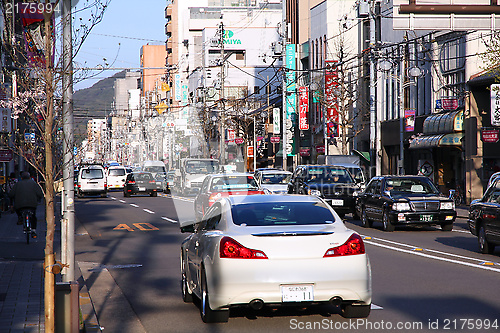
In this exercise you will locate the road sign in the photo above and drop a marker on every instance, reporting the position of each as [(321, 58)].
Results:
[(6, 155)]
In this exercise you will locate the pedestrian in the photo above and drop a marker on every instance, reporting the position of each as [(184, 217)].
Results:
[(26, 194)]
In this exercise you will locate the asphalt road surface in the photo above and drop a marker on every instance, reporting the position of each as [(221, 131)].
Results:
[(424, 279)]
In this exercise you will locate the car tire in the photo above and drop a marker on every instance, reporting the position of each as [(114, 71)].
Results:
[(207, 314), (187, 296), (386, 224), (153, 194), (365, 222), (79, 194), (104, 195), (126, 194), (355, 215), (447, 226), (485, 247), (355, 311)]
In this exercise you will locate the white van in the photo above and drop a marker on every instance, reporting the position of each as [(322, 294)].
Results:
[(115, 177), (92, 180), (154, 167)]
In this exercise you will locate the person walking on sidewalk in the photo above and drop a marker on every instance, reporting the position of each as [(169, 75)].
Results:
[(26, 194)]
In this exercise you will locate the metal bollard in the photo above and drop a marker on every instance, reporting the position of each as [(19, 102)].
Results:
[(67, 307)]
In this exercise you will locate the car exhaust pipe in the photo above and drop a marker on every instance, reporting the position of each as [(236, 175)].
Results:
[(336, 301), (256, 304)]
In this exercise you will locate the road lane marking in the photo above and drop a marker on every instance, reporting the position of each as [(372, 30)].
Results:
[(425, 255), (429, 250), (113, 198), (169, 220), (462, 231), (122, 201), (134, 205), (141, 226), (148, 211), (376, 307)]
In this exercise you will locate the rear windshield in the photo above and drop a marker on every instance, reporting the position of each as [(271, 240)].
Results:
[(143, 176), (154, 169), (116, 172), (275, 178), (92, 174), (232, 183), (293, 213)]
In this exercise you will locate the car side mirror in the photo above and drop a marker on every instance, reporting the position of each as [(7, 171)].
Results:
[(188, 228), (452, 194)]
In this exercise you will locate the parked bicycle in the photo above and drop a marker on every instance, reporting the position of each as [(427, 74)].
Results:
[(459, 196), (28, 218)]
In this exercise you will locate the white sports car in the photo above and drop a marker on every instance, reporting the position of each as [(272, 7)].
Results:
[(273, 250)]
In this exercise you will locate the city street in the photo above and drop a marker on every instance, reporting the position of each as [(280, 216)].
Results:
[(424, 279)]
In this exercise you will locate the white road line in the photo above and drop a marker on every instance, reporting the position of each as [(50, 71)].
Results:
[(113, 198), (376, 307), (429, 250), (183, 199), (489, 268), (148, 211), (134, 205), (464, 231), (169, 220), (122, 201)]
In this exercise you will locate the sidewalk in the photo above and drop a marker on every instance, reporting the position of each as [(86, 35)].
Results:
[(22, 281)]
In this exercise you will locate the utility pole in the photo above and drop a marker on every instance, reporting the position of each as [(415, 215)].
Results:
[(68, 224), (284, 78), (222, 145), (373, 116)]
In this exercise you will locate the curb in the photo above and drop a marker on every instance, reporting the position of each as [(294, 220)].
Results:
[(87, 312)]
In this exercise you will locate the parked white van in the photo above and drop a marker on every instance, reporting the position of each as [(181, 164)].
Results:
[(92, 180)]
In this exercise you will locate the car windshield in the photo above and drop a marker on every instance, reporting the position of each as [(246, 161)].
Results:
[(154, 169), (92, 174), (329, 174), (202, 167), (116, 172), (275, 178), (282, 213), (232, 183), (143, 177), (357, 174), (410, 186)]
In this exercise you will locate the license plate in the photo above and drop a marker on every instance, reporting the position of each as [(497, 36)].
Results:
[(142, 189), (297, 293), (337, 202), (426, 218)]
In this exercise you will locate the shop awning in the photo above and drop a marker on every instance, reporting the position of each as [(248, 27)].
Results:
[(364, 155), (438, 140), (446, 122)]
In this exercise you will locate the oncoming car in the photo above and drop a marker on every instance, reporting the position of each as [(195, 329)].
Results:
[(273, 250)]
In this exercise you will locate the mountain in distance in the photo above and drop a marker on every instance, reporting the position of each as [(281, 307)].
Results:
[(93, 102)]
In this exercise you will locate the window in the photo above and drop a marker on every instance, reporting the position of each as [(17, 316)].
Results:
[(256, 90)]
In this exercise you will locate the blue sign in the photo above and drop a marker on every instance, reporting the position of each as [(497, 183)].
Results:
[(75, 151), (439, 104)]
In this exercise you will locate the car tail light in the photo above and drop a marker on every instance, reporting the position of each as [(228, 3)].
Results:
[(354, 245), (152, 181), (213, 198), (131, 182), (229, 248)]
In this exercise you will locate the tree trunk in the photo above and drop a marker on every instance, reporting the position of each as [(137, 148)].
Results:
[(49, 183)]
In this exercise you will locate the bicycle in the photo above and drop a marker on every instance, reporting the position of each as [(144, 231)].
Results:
[(458, 198), (27, 216)]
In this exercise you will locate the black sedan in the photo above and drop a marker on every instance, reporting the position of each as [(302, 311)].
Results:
[(332, 183), (141, 183), (484, 218), (405, 200)]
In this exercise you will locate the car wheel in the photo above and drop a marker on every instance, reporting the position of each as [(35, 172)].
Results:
[(355, 215), (387, 225), (207, 314), (365, 222), (104, 195), (447, 226), (79, 194), (187, 296), (355, 311), (484, 246), (126, 194), (153, 194)]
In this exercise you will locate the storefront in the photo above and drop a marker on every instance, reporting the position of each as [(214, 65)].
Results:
[(440, 145)]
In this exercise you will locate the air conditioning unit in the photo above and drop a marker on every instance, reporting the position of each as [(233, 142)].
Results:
[(363, 8)]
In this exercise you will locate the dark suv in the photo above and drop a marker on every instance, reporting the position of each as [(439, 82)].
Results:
[(332, 183), (405, 200)]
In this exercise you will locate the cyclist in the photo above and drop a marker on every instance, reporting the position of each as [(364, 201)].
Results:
[(26, 194)]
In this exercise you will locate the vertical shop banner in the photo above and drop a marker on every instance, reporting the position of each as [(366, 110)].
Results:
[(178, 85), (276, 121), (231, 134), (303, 108), (331, 85), (409, 120), (291, 98), (495, 105)]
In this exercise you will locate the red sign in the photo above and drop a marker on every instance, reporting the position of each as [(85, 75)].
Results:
[(303, 108), (331, 84), (6, 155), (250, 151), (275, 139), (320, 149), (449, 103), (490, 135), (239, 141), (305, 152), (231, 134)]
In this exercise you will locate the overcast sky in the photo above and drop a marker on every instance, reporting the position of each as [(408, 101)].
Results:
[(133, 23)]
